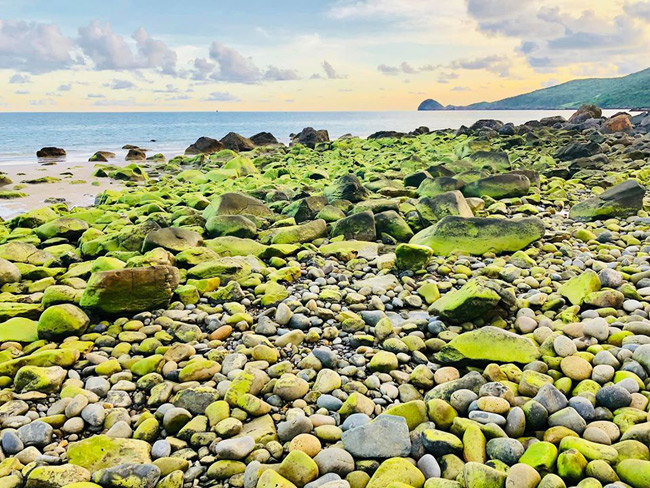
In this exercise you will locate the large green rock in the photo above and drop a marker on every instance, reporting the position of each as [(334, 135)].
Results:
[(622, 200), (296, 234), (489, 344), (498, 186), (58, 476), (473, 300), (174, 239), (440, 206), (347, 187), (48, 357), (130, 289), (67, 228), (477, 236), (100, 451), (412, 256), (18, 329), (396, 469), (60, 321), (634, 472), (9, 272), (37, 378), (237, 204), (231, 225)]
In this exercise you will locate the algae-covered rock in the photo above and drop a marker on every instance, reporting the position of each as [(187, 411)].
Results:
[(358, 226), (36, 378), (622, 200), (130, 289), (173, 239), (498, 186), (9, 272), (347, 187), (578, 288), (396, 469), (100, 451), (57, 476), (61, 321), (440, 206), (490, 344), (473, 300), (476, 236), (19, 329), (412, 256), (296, 234), (67, 228), (237, 204), (231, 225)]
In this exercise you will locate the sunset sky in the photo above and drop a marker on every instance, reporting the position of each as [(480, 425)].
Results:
[(118, 55)]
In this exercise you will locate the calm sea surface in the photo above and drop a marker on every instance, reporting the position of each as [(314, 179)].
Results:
[(81, 134)]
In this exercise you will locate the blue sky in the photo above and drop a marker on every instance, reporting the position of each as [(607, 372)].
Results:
[(290, 55)]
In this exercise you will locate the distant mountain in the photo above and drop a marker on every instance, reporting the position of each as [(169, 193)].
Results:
[(431, 104), (631, 91)]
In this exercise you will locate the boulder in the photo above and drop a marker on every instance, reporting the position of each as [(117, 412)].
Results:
[(296, 234), (436, 186), (19, 329), (9, 272), (477, 236), (491, 160), (66, 228), (50, 152), (586, 112), (306, 208), (394, 470), (440, 206), (620, 201), (347, 187), (58, 476), (130, 289), (498, 186), (136, 155), (310, 137), (385, 437), (617, 123), (101, 451), (237, 142), (412, 256), (231, 225), (37, 378), (489, 344), (101, 157), (392, 224), (233, 203), (204, 145), (472, 301), (264, 139), (360, 226), (174, 239), (60, 321), (576, 150)]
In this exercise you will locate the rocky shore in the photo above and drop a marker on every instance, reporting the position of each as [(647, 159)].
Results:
[(439, 309)]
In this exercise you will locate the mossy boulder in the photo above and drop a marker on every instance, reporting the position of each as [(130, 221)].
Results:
[(9, 272), (57, 476), (489, 344), (412, 256), (430, 187), (620, 201), (101, 451), (498, 186), (440, 206), (634, 472), (296, 234), (231, 225), (359, 226), (60, 321), (37, 378), (347, 187), (19, 329), (237, 204), (130, 289), (298, 468), (174, 239), (68, 228), (392, 224), (473, 300), (48, 357), (477, 236)]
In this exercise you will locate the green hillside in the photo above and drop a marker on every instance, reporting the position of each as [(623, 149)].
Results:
[(631, 91)]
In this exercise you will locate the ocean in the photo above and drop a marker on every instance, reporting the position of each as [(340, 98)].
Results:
[(81, 134)]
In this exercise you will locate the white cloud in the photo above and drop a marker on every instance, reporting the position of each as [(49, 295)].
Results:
[(65, 87), (19, 79), (639, 9), (330, 72), (495, 64), (388, 70), (110, 51), (232, 65), (221, 97), (34, 47), (120, 84)]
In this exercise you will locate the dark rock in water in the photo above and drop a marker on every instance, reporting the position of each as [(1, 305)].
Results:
[(586, 112), (310, 137), (50, 152), (431, 104), (423, 129), (498, 186), (622, 200), (387, 133), (205, 145), (130, 289), (360, 227), (237, 142), (476, 236), (551, 121), (174, 239), (129, 146), (347, 187), (264, 139), (136, 155), (492, 160), (575, 150)]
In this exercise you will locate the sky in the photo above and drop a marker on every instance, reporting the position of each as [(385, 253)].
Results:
[(286, 55)]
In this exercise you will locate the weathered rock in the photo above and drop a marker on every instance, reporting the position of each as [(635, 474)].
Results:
[(237, 142), (205, 145), (387, 436), (310, 137), (622, 200), (50, 152)]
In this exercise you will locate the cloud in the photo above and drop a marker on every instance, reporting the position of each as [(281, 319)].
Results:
[(407, 68), (639, 10), (120, 84), (42, 102), (65, 87), (125, 102), (169, 88), (110, 51), (22, 92), (278, 74), (232, 65), (18, 79), (330, 72), (34, 47), (388, 70), (95, 95), (447, 76), (495, 64), (221, 97)]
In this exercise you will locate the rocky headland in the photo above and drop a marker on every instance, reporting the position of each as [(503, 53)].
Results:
[(439, 309)]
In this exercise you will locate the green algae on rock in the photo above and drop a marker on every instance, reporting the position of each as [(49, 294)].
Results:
[(490, 344), (473, 300), (477, 236)]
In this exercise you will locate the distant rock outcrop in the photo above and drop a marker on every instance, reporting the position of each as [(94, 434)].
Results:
[(431, 104), (50, 152), (310, 137), (204, 145), (237, 142), (264, 139)]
